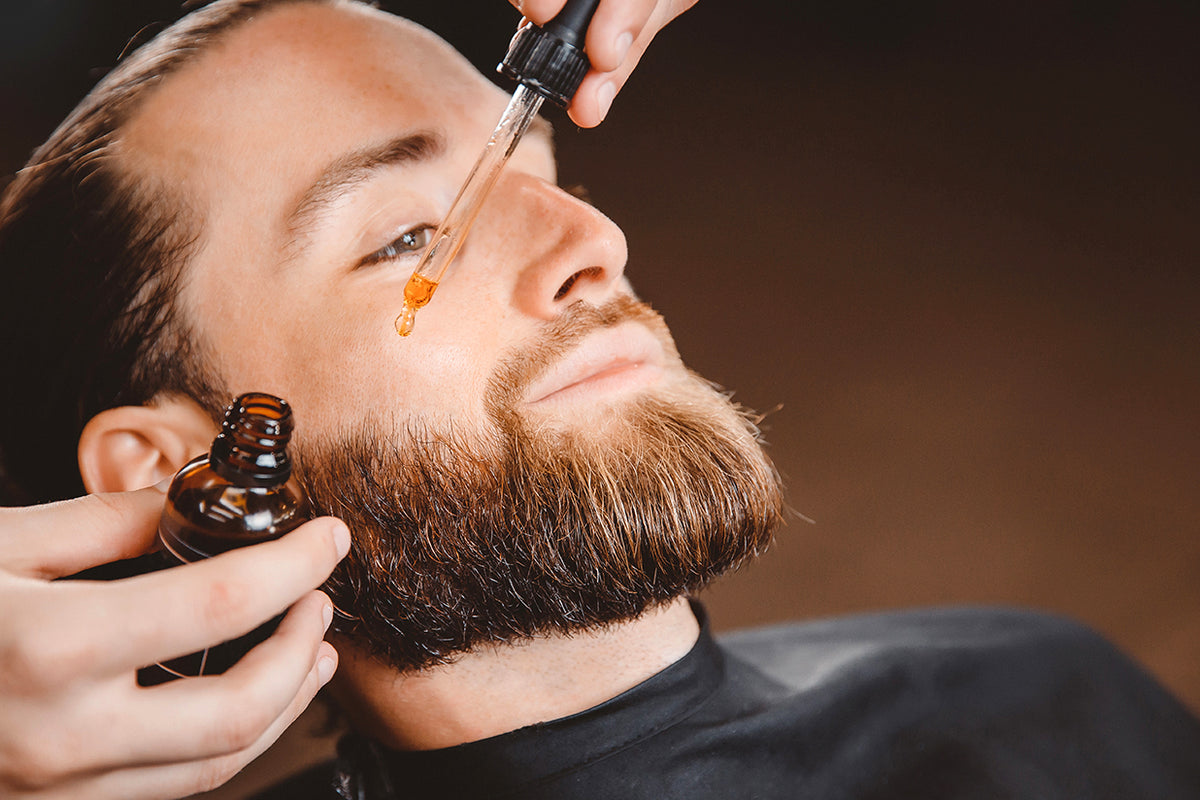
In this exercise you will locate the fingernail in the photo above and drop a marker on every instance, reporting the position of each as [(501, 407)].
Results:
[(624, 42), (604, 97), (325, 668), (327, 615), (164, 484), (341, 539)]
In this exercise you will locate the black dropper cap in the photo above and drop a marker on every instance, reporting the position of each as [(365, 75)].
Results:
[(550, 59)]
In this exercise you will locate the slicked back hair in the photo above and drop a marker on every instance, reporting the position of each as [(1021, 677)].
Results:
[(91, 256)]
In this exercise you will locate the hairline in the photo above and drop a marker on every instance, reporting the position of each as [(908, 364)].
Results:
[(129, 342)]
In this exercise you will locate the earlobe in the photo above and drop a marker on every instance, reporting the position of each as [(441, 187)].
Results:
[(130, 447)]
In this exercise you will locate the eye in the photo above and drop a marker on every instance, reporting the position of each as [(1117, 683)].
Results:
[(412, 241)]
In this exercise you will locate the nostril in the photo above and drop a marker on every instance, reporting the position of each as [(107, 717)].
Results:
[(590, 272), (566, 287)]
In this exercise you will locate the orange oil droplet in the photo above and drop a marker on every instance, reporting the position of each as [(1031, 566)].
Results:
[(404, 322), (417, 293)]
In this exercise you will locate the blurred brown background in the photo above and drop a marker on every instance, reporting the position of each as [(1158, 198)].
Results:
[(957, 248), (952, 248)]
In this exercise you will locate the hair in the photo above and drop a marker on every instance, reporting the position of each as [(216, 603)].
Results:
[(92, 252), (469, 537)]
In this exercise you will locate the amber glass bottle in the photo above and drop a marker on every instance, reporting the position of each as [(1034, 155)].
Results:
[(240, 493)]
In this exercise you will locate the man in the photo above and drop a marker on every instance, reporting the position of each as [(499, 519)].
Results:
[(533, 482)]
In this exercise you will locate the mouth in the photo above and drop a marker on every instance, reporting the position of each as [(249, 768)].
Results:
[(613, 361)]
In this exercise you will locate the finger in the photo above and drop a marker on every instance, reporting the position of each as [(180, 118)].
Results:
[(187, 778), (595, 94), (197, 718), (178, 611), (63, 538), (538, 12), (613, 30), (201, 718)]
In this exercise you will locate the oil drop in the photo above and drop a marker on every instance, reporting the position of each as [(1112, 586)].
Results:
[(548, 62), (417, 293)]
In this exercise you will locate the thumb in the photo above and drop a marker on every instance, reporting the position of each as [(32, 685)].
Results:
[(50, 541)]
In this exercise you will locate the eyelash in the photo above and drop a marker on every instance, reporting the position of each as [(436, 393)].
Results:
[(389, 252), (398, 248), (579, 192)]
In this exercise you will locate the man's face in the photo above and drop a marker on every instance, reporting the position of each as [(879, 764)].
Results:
[(535, 456), (314, 138)]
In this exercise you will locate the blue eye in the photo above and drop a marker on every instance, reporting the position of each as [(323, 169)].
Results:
[(413, 240)]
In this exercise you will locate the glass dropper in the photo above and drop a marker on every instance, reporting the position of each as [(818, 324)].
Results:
[(452, 232), (547, 62)]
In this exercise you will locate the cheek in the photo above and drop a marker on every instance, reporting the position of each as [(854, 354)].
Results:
[(341, 374), (329, 348)]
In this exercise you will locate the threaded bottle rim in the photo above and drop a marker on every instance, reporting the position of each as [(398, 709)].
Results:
[(251, 449)]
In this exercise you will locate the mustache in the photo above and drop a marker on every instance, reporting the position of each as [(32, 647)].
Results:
[(521, 366), (465, 536)]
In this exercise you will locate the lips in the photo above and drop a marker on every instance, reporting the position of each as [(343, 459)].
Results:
[(622, 358)]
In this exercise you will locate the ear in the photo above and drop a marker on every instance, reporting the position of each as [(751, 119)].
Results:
[(130, 447)]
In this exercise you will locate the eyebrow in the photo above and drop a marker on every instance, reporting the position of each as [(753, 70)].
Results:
[(351, 170), (355, 168)]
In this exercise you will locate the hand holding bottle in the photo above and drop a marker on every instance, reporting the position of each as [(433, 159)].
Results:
[(73, 721)]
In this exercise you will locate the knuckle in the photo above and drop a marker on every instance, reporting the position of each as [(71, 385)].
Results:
[(113, 513), (31, 764), (215, 773), (108, 504), (224, 606), (240, 729), (19, 671), (36, 660)]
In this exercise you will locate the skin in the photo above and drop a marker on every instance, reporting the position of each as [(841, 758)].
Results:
[(247, 129), (86, 729), (324, 339), (616, 40), (59, 676)]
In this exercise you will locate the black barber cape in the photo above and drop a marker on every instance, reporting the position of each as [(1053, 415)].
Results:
[(964, 703)]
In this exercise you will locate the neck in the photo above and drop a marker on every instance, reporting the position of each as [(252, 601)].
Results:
[(498, 689)]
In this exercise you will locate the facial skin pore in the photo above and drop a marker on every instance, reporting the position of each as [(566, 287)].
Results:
[(324, 143)]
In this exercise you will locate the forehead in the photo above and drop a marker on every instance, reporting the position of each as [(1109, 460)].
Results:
[(281, 94)]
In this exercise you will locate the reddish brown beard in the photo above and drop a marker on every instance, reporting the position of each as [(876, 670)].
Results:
[(460, 543)]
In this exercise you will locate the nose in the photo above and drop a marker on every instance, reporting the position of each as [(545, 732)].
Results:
[(560, 248)]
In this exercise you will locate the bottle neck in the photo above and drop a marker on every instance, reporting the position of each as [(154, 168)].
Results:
[(251, 449), (249, 466)]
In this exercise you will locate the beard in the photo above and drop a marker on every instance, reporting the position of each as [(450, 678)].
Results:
[(467, 539)]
